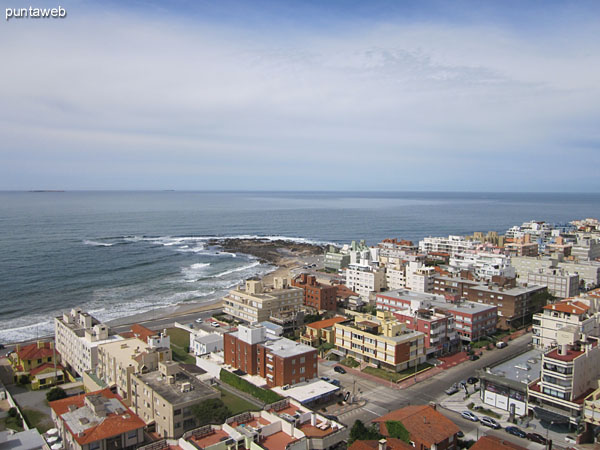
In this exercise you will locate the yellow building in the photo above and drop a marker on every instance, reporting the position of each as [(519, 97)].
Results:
[(321, 332), (381, 341), (39, 362)]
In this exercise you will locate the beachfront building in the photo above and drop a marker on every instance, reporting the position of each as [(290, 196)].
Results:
[(140, 353), (164, 398), (280, 361), (319, 296), (569, 374), (556, 316), (559, 283), (39, 362), (336, 259), (451, 245), (255, 302), (381, 341), (364, 279), (472, 321), (284, 425), (97, 421), (77, 335)]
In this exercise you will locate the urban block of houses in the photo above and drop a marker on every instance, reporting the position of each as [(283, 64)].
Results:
[(381, 341), (39, 362), (279, 360), (77, 335), (282, 425), (319, 296), (427, 427), (164, 398), (97, 421)]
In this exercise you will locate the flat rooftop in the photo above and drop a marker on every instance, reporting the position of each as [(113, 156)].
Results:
[(308, 391), (286, 347), (523, 368), (518, 290), (174, 393)]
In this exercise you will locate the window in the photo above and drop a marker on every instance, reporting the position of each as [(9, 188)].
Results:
[(132, 434), (95, 445)]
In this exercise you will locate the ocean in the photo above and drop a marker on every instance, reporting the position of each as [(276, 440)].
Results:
[(120, 253)]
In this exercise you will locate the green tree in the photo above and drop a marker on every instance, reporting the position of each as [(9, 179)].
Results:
[(397, 430), (211, 411), (360, 432), (56, 393), (12, 412)]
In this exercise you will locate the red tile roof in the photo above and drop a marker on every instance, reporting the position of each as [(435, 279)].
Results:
[(494, 443), (391, 444), (112, 425), (424, 424), (33, 351), (142, 333), (38, 369), (326, 323), (568, 306)]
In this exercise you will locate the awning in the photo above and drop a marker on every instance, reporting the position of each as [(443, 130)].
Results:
[(549, 416)]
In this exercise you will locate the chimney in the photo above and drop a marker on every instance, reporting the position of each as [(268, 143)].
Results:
[(313, 419), (382, 444), (40, 344), (433, 405)]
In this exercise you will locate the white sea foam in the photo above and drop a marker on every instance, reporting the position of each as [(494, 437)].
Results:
[(97, 244), (238, 269)]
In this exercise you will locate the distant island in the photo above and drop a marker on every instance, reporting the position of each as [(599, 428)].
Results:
[(46, 190)]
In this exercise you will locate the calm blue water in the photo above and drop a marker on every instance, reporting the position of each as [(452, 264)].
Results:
[(117, 253)]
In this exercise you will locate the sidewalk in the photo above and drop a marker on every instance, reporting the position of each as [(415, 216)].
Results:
[(458, 403)]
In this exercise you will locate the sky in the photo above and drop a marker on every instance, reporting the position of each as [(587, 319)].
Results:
[(302, 95)]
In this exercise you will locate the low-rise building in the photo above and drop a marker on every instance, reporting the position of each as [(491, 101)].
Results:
[(521, 246), (119, 360), (437, 324), (559, 283), (427, 427), (319, 296), (22, 440), (164, 399), (284, 425), (380, 340), (97, 421), (569, 374), (279, 360), (204, 343), (77, 336), (556, 316), (256, 303), (495, 443), (39, 362), (364, 279), (321, 332)]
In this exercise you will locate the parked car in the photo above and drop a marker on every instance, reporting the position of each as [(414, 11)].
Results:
[(326, 379), (501, 344), (452, 389), (535, 437), (215, 324), (469, 416), (472, 380), (515, 431), (339, 369), (199, 320), (473, 357), (335, 382), (489, 422)]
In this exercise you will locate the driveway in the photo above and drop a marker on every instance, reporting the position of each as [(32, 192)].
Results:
[(33, 400)]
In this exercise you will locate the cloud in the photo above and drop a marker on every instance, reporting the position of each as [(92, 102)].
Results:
[(387, 106)]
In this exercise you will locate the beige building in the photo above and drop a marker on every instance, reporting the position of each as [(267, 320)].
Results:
[(364, 279), (560, 283), (164, 399), (381, 340), (419, 278), (257, 303), (117, 361), (78, 335)]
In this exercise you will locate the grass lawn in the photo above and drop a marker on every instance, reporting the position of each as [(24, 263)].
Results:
[(395, 376), (180, 341), (37, 419), (350, 362), (236, 404)]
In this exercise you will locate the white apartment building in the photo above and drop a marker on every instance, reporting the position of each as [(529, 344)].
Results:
[(203, 343), (255, 302), (365, 279), (587, 248), (78, 335), (560, 283), (484, 265), (557, 316), (451, 245), (395, 278), (588, 271), (419, 278)]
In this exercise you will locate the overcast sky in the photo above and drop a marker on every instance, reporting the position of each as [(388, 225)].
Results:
[(343, 95)]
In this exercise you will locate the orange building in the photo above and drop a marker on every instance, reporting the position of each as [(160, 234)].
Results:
[(316, 295)]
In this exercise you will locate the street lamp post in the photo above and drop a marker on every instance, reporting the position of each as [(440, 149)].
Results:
[(548, 431)]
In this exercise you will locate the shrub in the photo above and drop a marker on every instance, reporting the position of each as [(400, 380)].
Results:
[(360, 431), (264, 395), (12, 412), (397, 430), (211, 411), (55, 393)]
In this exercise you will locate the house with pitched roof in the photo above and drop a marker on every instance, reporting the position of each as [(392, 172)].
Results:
[(40, 362), (321, 332), (97, 421), (382, 444), (427, 427), (495, 443)]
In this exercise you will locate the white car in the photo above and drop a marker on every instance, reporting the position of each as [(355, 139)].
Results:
[(489, 422), (469, 416), (199, 320), (215, 324)]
